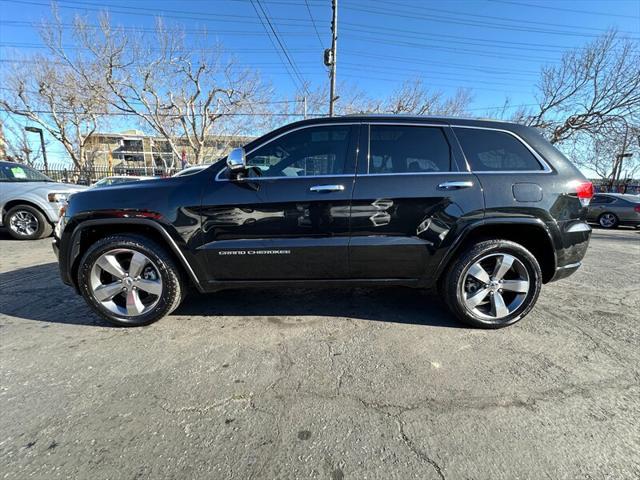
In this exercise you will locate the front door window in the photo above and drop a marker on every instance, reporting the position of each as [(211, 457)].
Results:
[(308, 152)]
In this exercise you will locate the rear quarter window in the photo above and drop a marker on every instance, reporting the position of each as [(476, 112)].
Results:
[(495, 151)]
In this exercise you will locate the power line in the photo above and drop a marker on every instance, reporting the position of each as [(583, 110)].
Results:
[(493, 17), (453, 20), (427, 75), (130, 114), (184, 14), (560, 9), (188, 15), (296, 72), (454, 50), (381, 29), (306, 2)]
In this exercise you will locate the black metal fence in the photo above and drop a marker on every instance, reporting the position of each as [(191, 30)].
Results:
[(90, 174)]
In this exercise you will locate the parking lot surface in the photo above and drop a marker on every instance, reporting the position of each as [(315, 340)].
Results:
[(337, 383)]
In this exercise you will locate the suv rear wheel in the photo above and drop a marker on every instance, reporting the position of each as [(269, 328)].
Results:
[(608, 220), (130, 280), (493, 284)]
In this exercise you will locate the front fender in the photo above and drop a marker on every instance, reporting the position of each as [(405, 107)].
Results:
[(70, 245)]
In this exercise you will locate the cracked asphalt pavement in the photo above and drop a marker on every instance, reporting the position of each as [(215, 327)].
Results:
[(334, 383)]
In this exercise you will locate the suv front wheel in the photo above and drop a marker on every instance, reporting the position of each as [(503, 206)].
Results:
[(130, 280), (27, 223), (493, 284)]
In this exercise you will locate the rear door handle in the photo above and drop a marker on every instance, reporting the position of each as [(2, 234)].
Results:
[(455, 185), (327, 188)]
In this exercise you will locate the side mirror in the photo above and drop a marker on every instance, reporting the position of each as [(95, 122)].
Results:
[(236, 160)]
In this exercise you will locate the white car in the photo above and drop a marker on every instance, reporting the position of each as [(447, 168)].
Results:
[(30, 201), (190, 170), (118, 179)]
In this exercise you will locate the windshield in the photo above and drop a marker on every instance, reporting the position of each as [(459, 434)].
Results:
[(14, 172)]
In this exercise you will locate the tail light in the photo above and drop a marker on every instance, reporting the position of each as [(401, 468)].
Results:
[(584, 190), (637, 208)]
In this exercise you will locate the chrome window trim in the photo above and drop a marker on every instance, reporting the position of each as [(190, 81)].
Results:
[(546, 168), (415, 174), (327, 124), (407, 124)]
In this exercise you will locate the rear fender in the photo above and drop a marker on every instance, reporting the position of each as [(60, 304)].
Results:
[(506, 228)]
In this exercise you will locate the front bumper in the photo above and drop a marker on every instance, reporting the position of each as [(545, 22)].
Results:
[(61, 256), (56, 248)]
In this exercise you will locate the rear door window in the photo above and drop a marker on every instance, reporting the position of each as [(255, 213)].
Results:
[(495, 151), (600, 199), (408, 149)]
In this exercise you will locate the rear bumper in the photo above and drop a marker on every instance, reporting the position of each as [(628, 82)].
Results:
[(564, 272), (574, 241)]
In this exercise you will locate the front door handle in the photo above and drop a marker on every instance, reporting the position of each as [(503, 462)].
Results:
[(327, 188), (456, 185)]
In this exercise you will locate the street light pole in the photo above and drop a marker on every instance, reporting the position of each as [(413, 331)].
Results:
[(44, 151)]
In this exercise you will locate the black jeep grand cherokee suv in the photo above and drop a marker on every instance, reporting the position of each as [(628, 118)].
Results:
[(486, 211)]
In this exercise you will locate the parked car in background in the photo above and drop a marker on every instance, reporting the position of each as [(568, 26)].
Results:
[(30, 201), (118, 179), (612, 209), (190, 170), (485, 211)]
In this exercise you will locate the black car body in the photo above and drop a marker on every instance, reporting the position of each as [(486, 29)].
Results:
[(366, 200)]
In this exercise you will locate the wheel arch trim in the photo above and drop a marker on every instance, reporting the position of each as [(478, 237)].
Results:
[(15, 202), (74, 252), (512, 221)]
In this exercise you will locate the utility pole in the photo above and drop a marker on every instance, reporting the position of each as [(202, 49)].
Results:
[(334, 44), (44, 152), (617, 169), (304, 106)]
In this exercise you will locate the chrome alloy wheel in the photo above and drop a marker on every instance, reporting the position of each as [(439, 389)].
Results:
[(607, 220), (24, 223), (495, 286), (126, 282)]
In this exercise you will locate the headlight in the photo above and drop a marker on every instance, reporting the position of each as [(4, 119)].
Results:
[(58, 197)]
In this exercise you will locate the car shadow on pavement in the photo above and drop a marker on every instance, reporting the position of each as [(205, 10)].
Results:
[(37, 293), (382, 304)]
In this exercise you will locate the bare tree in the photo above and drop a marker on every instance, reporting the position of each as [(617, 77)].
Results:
[(184, 93), (588, 90), (16, 145), (613, 155), (53, 96), (413, 97)]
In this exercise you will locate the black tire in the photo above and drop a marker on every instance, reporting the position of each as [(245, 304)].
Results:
[(173, 288), (452, 286), (608, 225), (42, 229)]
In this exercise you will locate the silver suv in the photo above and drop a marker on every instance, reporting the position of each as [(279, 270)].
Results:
[(30, 201)]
